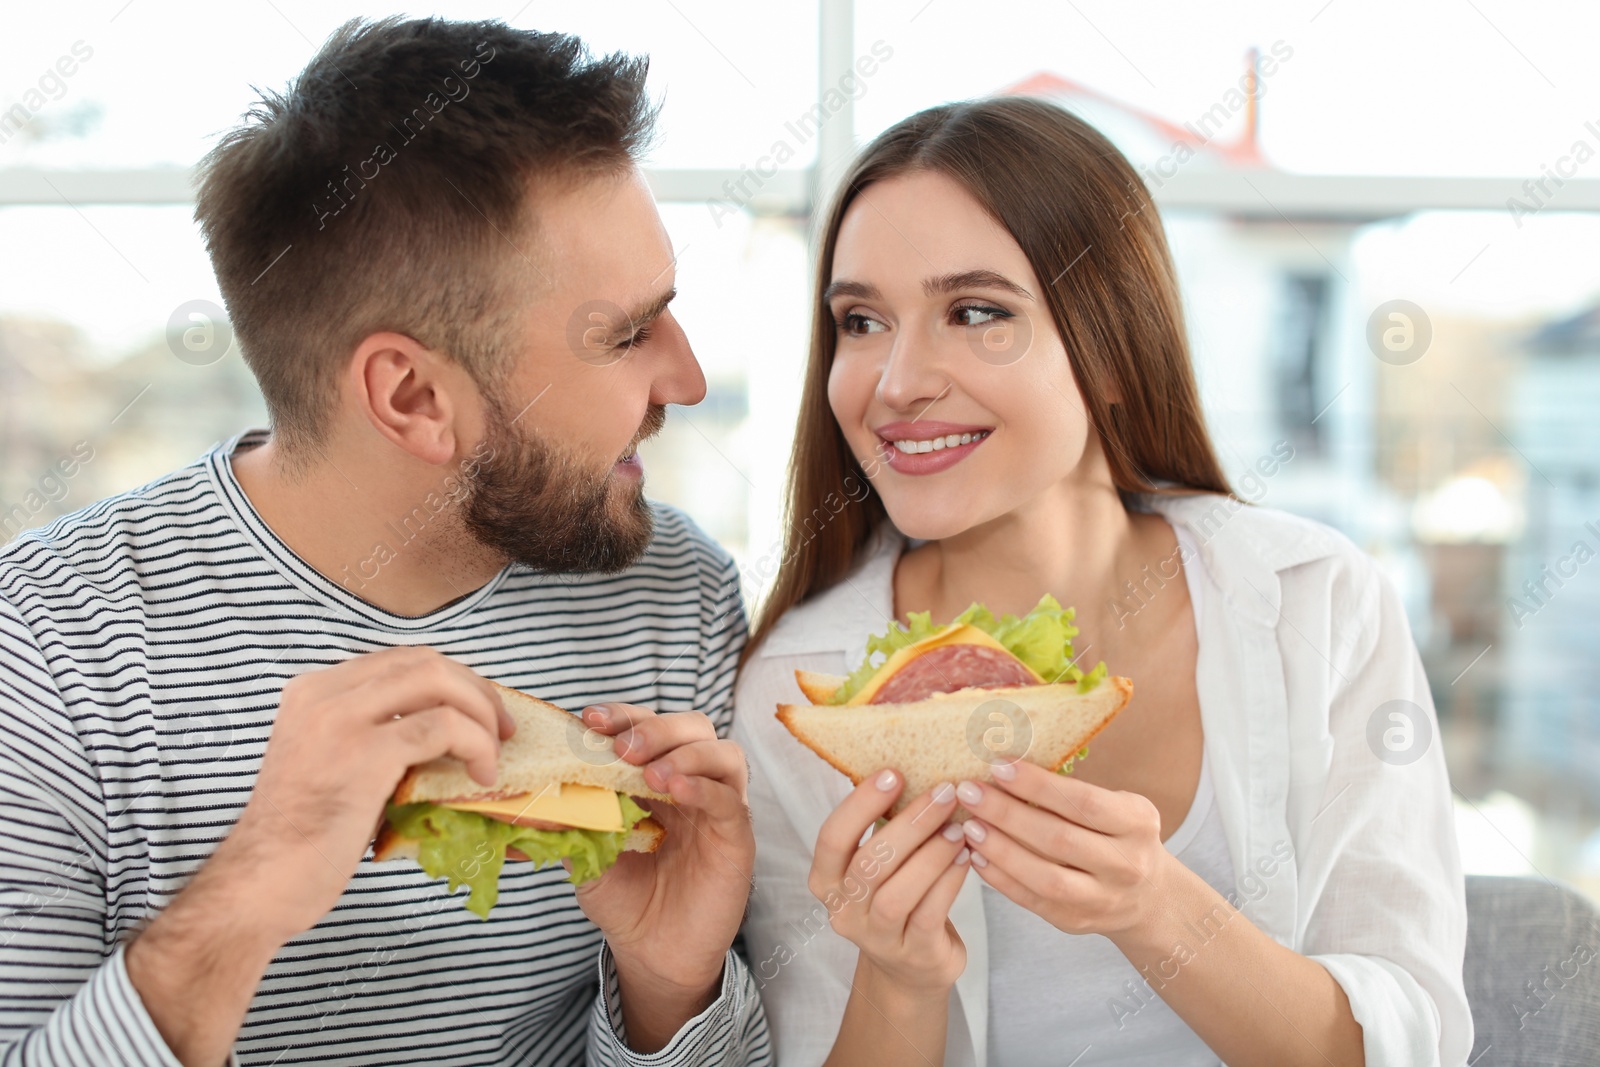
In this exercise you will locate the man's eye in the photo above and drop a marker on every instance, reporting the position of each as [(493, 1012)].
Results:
[(640, 336), (975, 315)]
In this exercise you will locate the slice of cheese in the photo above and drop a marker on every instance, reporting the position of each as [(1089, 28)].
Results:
[(586, 807), (955, 634)]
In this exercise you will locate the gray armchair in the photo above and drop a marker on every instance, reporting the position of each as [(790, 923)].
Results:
[(1532, 973)]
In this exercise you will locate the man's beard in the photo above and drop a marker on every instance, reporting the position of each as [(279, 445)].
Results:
[(536, 503)]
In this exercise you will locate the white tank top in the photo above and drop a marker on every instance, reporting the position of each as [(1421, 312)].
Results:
[(1058, 999)]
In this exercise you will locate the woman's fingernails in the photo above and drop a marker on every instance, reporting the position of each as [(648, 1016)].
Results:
[(944, 793), (597, 716), (1005, 771), (975, 831), (963, 856), (969, 793), (953, 833), (978, 860), (886, 781), (663, 770)]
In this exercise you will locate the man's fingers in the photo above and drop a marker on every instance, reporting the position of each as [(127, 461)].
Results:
[(720, 761), (443, 731), (357, 671), (706, 803), (847, 824), (643, 735), (413, 685)]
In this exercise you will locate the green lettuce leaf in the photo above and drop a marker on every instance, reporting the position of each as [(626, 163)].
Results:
[(1067, 767), (1042, 639), (470, 849)]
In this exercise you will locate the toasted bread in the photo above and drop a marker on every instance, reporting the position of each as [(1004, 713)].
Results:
[(818, 687), (945, 738), (550, 746)]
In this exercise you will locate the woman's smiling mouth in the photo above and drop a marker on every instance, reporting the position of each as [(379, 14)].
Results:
[(927, 447)]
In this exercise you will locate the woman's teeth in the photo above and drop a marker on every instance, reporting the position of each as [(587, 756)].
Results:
[(938, 444)]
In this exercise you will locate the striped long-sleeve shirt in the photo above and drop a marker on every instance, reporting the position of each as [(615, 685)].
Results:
[(144, 642)]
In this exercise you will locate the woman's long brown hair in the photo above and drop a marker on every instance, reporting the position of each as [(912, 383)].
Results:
[(1085, 220)]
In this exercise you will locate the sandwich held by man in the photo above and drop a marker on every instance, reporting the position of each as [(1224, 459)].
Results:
[(449, 278), (548, 805)]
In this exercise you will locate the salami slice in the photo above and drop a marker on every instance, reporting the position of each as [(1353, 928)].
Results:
[(952, 667)]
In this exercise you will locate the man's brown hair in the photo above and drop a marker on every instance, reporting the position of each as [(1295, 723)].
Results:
[(388, 189)]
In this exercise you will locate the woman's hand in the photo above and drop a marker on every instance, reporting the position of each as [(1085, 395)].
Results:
[(891, 896), (1088, 860), (1091, 860)]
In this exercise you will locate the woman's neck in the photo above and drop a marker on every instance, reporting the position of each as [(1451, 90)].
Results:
[(1075, 541)]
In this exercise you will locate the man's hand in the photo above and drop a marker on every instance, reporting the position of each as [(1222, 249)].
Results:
[(342, 739), (671, 915)]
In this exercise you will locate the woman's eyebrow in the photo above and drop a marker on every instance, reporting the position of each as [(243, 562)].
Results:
[(859, 290), (973, 279), (943, 283)]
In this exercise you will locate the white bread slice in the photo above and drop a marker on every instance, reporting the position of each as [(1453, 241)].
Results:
[(939, 739), (818, 687), (550, 746), (645, 836)]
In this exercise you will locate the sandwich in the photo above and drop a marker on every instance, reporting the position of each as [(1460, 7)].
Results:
[(561, 794), (943, 703)]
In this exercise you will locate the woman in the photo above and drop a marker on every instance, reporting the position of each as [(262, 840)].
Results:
[(1000, 404)]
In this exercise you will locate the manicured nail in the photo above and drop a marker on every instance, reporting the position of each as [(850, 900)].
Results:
[(663, 770), (944, 793), (886, 781), (975, 831), (969, 793), (978, 860), (597, 716), (624, 742), (952, 833), (963, 856), (1005, 771)]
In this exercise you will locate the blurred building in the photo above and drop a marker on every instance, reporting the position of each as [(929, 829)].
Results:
[(1550, 731), (76, 426)]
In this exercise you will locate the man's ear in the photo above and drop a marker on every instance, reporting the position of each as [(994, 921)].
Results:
[(411, 394)]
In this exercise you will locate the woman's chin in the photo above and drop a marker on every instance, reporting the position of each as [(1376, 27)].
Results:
[(933, 523)]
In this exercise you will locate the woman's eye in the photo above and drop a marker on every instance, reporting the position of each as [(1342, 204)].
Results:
[(974, 315), (856, 324)]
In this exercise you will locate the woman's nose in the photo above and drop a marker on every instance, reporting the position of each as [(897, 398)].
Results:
[(914, 375)]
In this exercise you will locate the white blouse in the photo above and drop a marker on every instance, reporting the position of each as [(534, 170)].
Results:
[(1341, 837), (1058, 998)]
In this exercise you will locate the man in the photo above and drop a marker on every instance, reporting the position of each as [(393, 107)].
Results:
[(452, 285)]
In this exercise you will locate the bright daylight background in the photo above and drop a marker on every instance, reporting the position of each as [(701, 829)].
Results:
[(1379, 166)]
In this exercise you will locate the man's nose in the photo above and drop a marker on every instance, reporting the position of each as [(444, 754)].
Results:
[(679, 379)]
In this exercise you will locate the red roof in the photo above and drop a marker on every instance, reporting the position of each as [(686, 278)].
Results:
[(1242, 152)]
